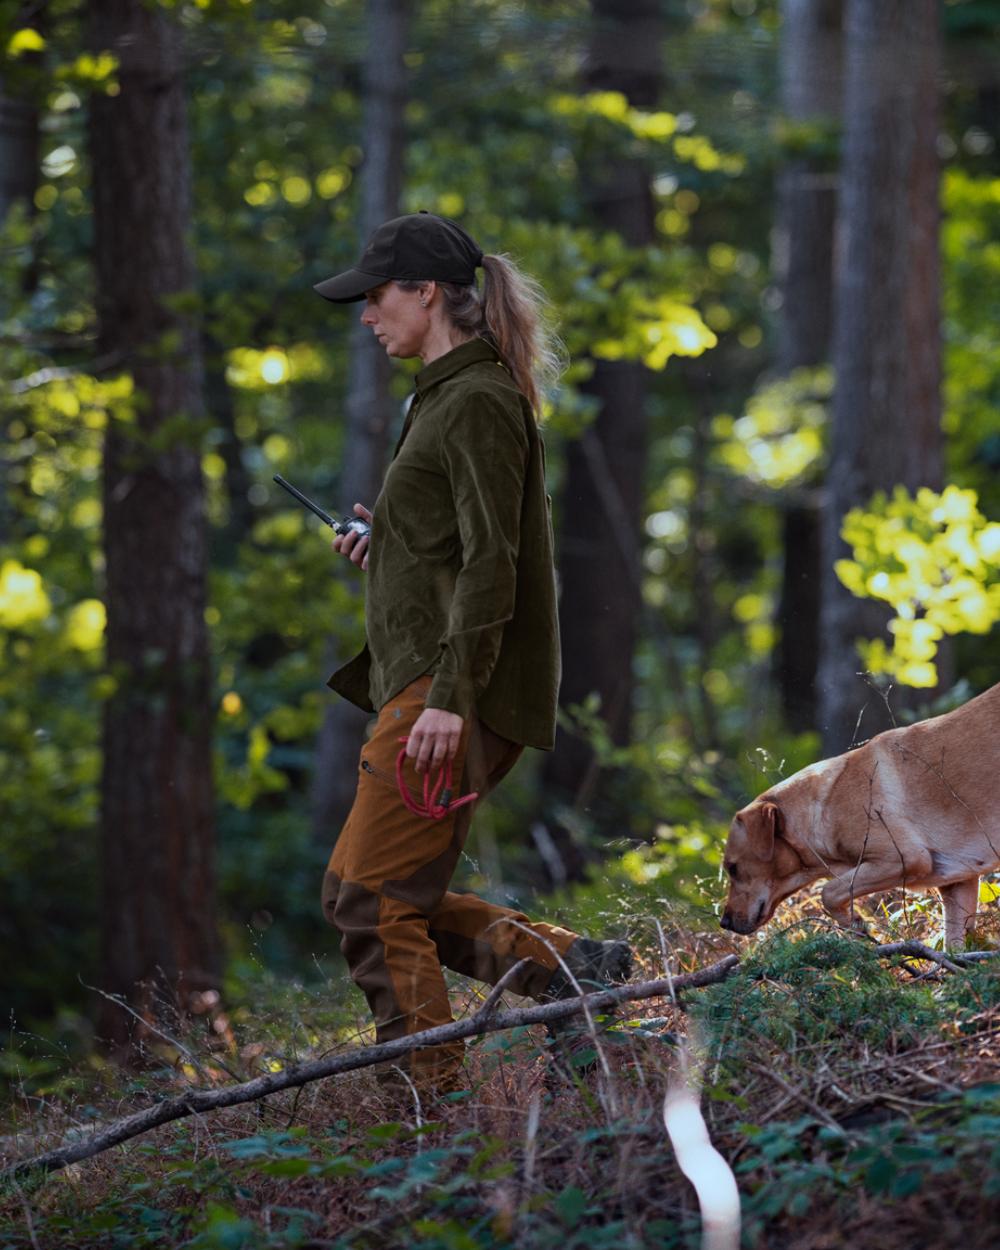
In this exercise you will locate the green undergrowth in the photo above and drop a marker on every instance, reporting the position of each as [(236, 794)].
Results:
[(856, 1101), (813, 989)]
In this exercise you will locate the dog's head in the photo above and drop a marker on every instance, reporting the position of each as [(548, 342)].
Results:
[(762, 866)]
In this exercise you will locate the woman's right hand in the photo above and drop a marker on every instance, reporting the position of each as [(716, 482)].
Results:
[(354, 545)]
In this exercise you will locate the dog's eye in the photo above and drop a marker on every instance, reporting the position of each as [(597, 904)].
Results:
[(731, 869)]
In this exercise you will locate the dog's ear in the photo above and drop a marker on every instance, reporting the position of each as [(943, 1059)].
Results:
[(762, 823)]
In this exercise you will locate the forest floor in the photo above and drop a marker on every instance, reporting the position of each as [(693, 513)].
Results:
[(856, 1098)]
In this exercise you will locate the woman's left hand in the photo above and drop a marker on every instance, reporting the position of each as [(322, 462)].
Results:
[(434, 738)]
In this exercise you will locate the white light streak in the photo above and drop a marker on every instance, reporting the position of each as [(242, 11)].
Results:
[(705, 1168)]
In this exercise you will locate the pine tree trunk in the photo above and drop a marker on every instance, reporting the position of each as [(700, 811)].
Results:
[(810, 95), (887, 354), (221, 410), (19, 134), (369, 408), (20, 95), (159, 938), (603, 493)]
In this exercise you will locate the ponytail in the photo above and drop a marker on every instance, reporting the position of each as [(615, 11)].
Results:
[(515, 311), (512, 312)]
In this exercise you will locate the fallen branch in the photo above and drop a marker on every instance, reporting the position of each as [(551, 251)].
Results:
[(954, 961), (487, 1020)]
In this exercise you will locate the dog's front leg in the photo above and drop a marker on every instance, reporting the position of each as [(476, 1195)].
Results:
[(867, 878), (961, 900)]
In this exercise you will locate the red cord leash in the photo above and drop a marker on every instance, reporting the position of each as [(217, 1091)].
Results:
[(431, 809)]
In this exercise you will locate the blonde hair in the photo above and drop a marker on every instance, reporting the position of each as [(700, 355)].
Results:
[(513, 313)]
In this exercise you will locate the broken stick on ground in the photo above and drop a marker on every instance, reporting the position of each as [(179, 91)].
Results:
[(486, 1020)]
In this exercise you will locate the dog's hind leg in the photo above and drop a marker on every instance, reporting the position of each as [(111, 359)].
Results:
[(961, 900)]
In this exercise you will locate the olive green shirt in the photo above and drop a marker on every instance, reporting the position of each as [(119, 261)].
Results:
[(460, 572)]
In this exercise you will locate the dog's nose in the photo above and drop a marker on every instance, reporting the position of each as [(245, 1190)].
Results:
[(726, 922)]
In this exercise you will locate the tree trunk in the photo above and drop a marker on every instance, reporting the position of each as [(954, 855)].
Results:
[(887, 353), (810, 95), (222, 414), (603, 494), (19, 134), (159, 938), (20, 94), (369, 406)]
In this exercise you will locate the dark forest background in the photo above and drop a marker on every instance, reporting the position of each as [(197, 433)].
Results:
[(771, 236)]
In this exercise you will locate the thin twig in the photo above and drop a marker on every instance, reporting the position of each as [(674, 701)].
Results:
[(799, 1095), (29, 1222), (165, 1037), (486, 1010)]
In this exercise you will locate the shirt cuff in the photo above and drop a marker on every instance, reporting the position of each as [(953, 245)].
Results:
[(451, 694)]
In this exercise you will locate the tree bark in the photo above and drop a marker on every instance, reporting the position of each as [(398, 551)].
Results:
[(887, 354), (806, 205), (222, 412), (810, 95), (603, 493), (18, 151), (20, 95), (369, 407), (159, 939), (19, 100)]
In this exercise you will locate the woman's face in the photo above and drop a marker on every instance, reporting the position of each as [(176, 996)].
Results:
[(396, 319)]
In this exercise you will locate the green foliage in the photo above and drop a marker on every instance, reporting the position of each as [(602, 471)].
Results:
[(780, 440), (971, 307), (672, 880), (971, 997), (936, 560), (356, 1178), (799, 1165), (811, 990), (52, 683)]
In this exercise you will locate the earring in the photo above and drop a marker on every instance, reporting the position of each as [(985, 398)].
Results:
[(423, 303)]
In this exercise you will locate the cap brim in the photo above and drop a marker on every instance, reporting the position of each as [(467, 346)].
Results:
[(350, 286)]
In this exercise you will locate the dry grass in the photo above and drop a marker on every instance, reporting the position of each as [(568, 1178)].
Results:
[(881, 1127)]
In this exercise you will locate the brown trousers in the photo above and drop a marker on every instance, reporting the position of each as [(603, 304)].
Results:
[(386, 890)]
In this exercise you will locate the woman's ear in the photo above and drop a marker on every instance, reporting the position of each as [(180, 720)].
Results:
[(427, 291)]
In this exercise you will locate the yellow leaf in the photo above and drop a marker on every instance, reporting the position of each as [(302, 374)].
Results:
[(920, 675), (296, 189), (989, 543), (989, 892), (23, 600), (851, 575), (608, 349), (85, 625), (330, 182), (25, 40), (610, 104)]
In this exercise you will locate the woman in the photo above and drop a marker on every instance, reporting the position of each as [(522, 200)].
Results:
[(462, 655)]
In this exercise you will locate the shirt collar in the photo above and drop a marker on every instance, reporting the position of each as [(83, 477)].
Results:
[(450, 363)]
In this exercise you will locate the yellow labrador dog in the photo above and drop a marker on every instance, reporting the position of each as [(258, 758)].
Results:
[(914, 807)]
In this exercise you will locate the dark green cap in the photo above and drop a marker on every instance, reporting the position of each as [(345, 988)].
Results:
[(419, 246)]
